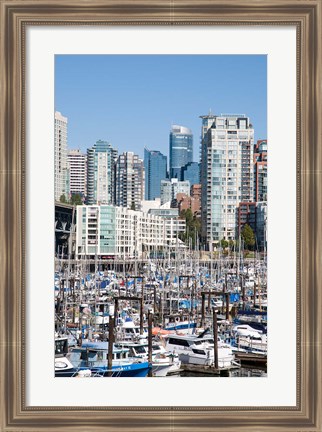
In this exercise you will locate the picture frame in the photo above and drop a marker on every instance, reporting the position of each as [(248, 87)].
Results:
[(16, 16)]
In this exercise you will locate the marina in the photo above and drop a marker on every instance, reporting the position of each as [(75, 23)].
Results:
[(200, 318)]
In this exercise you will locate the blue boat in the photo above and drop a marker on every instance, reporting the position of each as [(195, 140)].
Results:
[(93, 356)]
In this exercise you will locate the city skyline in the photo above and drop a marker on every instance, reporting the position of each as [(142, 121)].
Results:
[(132, 101)]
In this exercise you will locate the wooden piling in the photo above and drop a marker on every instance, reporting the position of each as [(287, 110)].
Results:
[(110, 345), (255, 292), (227, 306), (150, 317), (141, 315), (203, 309), (215, 333), (116, 310)]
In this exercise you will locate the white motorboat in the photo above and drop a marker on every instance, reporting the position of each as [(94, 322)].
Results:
[(245, 330), (253, 344), (163, 363), (63, 367), (200, 351)]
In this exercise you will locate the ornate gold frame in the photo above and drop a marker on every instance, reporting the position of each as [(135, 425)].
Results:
[(306, 15)]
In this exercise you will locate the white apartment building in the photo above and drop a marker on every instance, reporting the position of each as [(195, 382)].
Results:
[(170, 189), (226, 173), (173, 224), (100, 173), (107, 230), (60, 158), (77, 165)]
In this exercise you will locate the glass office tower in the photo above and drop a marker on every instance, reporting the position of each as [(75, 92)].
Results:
[(155, 166), (180, 149), (191, 172)]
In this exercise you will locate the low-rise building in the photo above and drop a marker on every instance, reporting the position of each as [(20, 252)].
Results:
[(107, 230), (254, 215), (246, 212), (186, 202)]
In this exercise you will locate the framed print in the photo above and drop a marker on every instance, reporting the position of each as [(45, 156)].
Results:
[(38, 40)]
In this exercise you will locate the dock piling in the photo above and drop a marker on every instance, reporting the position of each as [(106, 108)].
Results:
[(215, 333), (150, 317), (110, 345)]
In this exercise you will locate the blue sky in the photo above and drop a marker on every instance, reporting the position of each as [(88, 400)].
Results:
[(132, 100)]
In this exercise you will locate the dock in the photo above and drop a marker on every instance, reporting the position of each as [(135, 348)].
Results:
[(251, 359), (208, 370)]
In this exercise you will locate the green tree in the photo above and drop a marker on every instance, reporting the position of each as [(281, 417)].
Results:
[(133, 206), (76, 199), (224, 243), (63, 199), (231, 244), (248, 236), (193, 227)]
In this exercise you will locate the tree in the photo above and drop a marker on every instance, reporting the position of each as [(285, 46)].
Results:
[(76, 199), (248, 236), (231, 244), (133, 206), (63, 199), (224, 243), (193, 227)]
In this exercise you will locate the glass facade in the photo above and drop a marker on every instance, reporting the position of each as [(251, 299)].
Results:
[(260, 170), (170, 189), (180, 149), (155, 166), (191, 172), (107, 230)]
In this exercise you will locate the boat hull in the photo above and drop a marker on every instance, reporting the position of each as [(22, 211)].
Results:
[(135, 370)]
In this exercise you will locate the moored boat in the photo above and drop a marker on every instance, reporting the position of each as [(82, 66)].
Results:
[(94, 356)]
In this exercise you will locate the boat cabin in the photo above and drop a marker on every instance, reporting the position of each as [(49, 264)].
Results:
[(61, 346)]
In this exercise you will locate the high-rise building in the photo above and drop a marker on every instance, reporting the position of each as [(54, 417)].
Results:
[(226, 173), (129, 181), (261, 225), (155, 166), (170, 189), (100, 173), (61, 168), (260, 170), (77, 165), (180, 149), (191, 172)]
